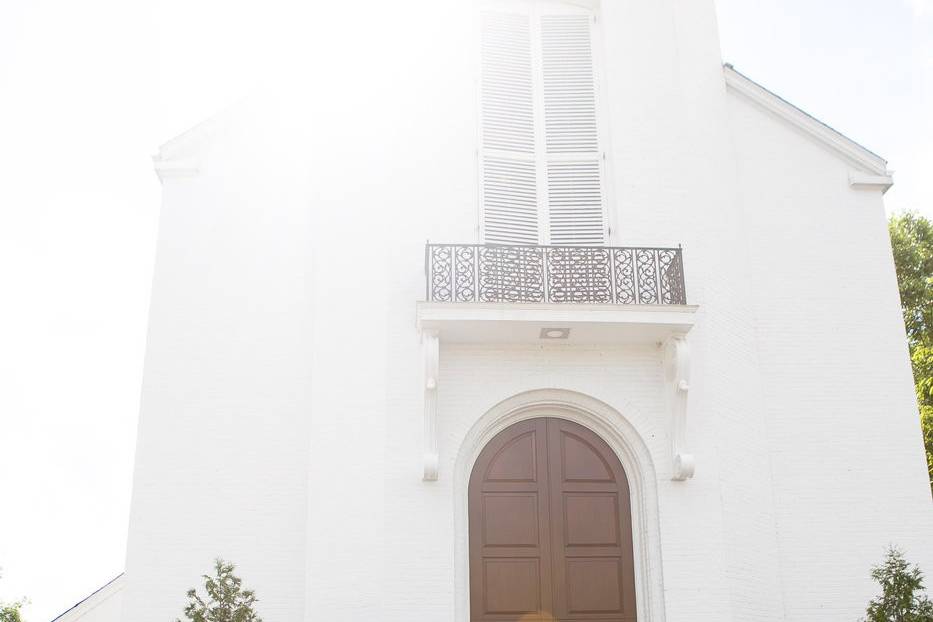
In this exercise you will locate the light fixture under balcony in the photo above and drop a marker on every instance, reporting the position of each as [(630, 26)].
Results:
[(555, 333)]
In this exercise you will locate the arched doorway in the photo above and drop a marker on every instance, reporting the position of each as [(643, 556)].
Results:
[(550, 527)]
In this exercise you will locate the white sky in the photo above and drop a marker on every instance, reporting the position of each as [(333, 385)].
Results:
[(88, 90)]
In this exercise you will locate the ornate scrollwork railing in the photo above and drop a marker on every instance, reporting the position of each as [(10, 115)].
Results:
[(554, 274)]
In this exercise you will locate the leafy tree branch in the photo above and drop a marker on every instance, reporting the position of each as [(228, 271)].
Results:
[(902, 598), (225, 601), (912, 243)]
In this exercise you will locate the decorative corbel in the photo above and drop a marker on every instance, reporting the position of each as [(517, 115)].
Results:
[(677, 376), (430, 345)]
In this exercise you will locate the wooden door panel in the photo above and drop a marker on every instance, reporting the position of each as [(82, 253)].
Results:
[(594, 586), (512, 586), (510, 519), (593, 564), (591, 519), (550, 528), (510, 543), (580, 461), (516, 461)]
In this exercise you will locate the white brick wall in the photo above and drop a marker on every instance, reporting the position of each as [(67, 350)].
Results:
[(281, 421), (844, 435)]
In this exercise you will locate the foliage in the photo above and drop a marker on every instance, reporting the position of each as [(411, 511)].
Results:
[(901, 597), (926, 420), (922, 360), (912, 243), (10, 612), (227, 601)]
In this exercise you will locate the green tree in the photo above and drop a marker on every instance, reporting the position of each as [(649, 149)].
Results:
[(901, 597), (912, 243), (227, 601), (10, 612)]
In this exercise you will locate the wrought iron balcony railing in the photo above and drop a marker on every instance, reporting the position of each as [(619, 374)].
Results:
[(554, 274)]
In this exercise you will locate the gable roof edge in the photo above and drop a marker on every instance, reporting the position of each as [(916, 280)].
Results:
[(810, 125), (179, 156), (93, 599)]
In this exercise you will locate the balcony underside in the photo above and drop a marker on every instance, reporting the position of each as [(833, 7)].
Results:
[(529, 323)]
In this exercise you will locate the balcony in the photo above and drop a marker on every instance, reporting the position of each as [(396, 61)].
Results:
[(577, 294), (473, 273), (558, 296)]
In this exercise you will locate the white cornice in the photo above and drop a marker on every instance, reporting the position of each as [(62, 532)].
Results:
[(173, 168), (871, 162), (861, 181)]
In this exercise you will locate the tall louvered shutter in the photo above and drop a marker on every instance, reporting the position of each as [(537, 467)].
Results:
[(508, 166), (541, 159), (571, 135)]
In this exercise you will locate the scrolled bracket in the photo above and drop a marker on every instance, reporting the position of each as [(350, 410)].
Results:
[(430, 346), (677, 379)]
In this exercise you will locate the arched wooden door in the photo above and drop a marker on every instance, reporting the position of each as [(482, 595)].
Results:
[(550, 528)]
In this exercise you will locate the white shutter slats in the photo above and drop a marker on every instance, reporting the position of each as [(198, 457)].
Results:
[(571, 134), (540, 159), (508, 87), (575, 202), (507, 158), (510, 201), (568, 85)]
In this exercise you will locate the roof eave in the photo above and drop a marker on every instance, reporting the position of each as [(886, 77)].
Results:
[(870, 162)]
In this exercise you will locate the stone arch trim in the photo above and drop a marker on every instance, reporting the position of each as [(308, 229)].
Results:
[(629, 447)]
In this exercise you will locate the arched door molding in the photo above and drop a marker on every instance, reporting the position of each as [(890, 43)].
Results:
[(628, 446)]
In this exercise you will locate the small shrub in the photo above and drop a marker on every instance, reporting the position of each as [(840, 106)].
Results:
[(10, 612), (226, 600), (902, 598)]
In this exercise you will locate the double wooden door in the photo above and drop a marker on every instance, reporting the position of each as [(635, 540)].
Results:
[(550, 528)]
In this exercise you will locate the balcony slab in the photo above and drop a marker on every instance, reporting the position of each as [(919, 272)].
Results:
[(527, 323)]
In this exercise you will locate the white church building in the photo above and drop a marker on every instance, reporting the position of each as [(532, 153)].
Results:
[(525, 311)]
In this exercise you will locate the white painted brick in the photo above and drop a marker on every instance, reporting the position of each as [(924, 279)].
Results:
[(281, 420)]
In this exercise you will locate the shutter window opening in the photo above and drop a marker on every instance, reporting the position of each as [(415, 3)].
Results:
[(541, 166)]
